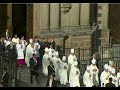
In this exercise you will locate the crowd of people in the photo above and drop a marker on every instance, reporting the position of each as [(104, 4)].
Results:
[(58, 69)]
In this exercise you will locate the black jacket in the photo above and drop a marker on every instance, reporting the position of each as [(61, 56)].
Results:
[(54, 84), (51, 70), (110, 85)]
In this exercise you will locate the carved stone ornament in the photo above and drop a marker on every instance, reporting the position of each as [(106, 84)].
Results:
[(65, 7)]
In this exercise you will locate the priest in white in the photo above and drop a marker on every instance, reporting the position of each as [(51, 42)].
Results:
[(15, 39), (74, 75), (104, 77), (87, 78), (29, 51), (37, 48), (94, 71), (45, 61), (56, 62), (71, 59), (110, 67), (114, 77), (20, 55), (118, 77), (63, 71)]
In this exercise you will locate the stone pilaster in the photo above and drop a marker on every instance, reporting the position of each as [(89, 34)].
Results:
[(54, 16), (44, 16), (85, 14)]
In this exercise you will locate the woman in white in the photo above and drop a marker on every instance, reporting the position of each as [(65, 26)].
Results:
[(63, 71), (113, 76), (20, 55), (104, 77), (87, 78), (15, 39), (45, 62), (75, 75), (29, 51), (94, 71)]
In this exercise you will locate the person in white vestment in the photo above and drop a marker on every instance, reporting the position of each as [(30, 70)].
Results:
[(94, 71), (63, 71), (45, 61), (8, 42), (71, 59), (110, 67), (29, 51), (15, 39), (51, 51), (114, 77), (37, 48), (118, 77), (104, 77), (87, 78), (20, 55), (75, 75), (56, 62)]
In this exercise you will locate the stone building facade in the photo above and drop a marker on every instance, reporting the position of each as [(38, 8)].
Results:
[(56, 20)]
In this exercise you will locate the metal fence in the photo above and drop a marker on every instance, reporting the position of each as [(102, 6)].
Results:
[(11, 69), (105, 53)]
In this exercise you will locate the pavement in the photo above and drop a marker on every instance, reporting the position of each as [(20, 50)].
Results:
[(25, 77)]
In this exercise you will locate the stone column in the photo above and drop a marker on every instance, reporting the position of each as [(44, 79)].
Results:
[(36, 19), (9, 20), (54, 16), (85, 14), (44, 16), (105, 15)]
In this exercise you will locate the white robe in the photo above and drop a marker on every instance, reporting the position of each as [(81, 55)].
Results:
[(93, 72), (63, 73), (110, 69), (74, 81), (118, 78), (71, 59), (104, 78), (114, 78), (87, 79), (29, 53), (37, 49), (20, 48), (56, 62), (45, 64), (15, 40), (7, 43)]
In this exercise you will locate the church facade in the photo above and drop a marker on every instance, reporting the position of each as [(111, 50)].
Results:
[(56, 20)]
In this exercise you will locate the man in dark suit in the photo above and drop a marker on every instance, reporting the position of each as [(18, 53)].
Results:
[(51, 82), (110, 84), (34, 69), (51, 69), (5, 78)]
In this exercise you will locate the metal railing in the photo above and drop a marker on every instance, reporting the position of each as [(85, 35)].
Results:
[(11, 69)]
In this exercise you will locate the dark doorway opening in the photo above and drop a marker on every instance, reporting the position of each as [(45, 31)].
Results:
[(93, 13), (114, 23), (19, 19)]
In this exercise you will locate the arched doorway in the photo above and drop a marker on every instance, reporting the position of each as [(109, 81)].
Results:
[(19, 15), (114, 22)]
